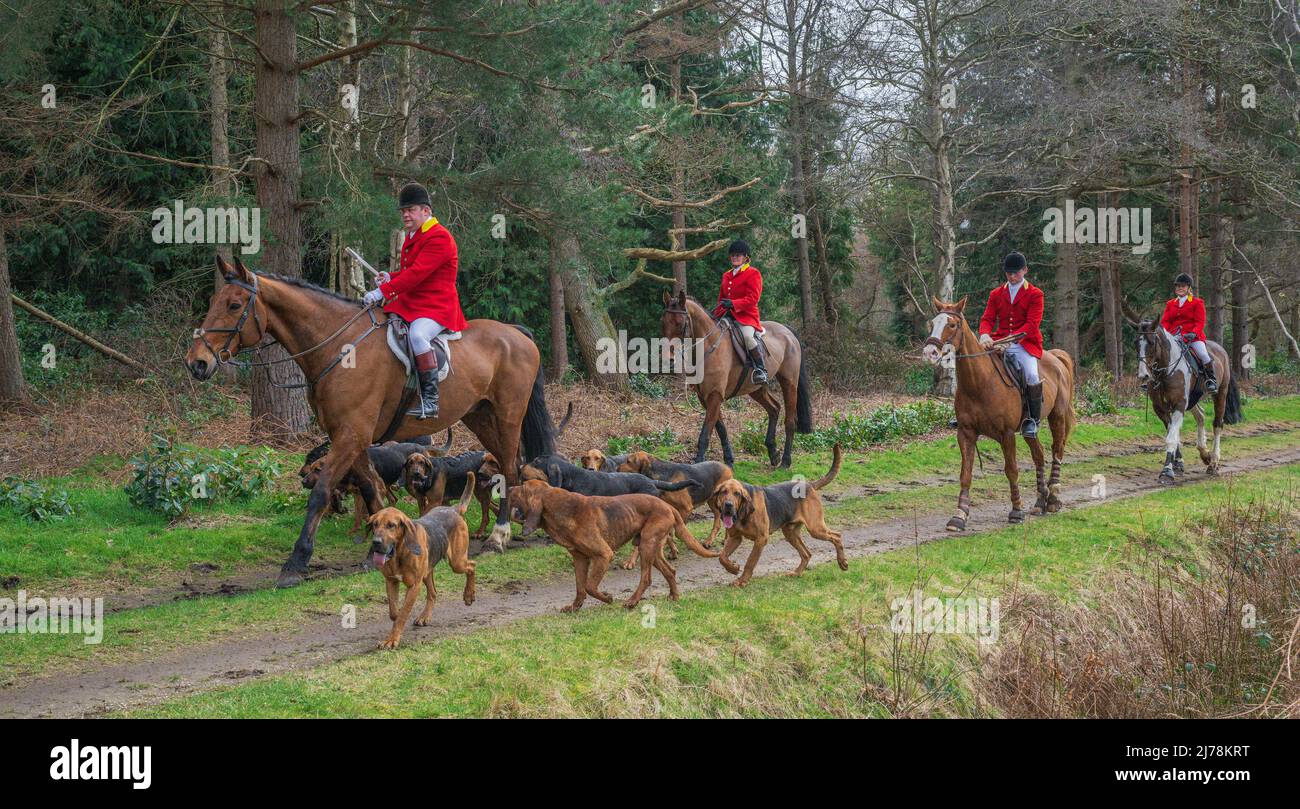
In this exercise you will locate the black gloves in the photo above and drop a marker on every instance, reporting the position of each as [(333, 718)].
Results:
[(726, 304)]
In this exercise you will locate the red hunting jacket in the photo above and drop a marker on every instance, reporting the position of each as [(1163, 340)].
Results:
[(1190, 317), (425, 285), (1002, 317), (744, 288)]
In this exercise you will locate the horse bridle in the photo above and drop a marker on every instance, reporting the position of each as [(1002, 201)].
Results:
[(233, 332), (938, 344), (1157, 372)]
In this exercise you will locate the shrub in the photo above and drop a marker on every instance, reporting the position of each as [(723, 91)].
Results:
[(169, 477), (852, 431), (34, 500), (1096, 397), (647, 386), (662, 443)]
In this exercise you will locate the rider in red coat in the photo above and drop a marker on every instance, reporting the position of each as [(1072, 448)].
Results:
[(742, 286), (423, 291), (1185, 315), (1017, 307)]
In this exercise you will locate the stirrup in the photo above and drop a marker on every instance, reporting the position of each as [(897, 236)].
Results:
[(1029, 428)]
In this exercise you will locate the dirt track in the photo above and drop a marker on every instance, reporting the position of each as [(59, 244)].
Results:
[(321, 639)]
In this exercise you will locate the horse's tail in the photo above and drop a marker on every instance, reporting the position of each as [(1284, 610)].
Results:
[(803, 398), (1232, 411), (538, 431)]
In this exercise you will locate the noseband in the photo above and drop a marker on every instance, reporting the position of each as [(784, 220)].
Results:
[(234, 331)]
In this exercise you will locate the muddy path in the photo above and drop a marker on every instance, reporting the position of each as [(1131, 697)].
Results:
[(321, 639), (203, 579)]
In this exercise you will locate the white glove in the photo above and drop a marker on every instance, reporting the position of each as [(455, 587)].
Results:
[(986, 341), (372, 297), (383, 278)]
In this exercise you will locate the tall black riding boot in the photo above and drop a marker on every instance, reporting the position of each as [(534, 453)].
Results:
[(426, 366), (760, 370), (1035, 396), (1211, 384)]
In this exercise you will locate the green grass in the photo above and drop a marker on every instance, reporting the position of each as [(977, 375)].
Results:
[(815, 646), (137, 633)]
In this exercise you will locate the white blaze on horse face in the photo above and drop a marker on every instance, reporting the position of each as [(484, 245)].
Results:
[(1143, 373), (936, 332)]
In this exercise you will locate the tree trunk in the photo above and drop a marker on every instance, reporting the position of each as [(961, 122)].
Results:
[(794, 133), (1110, 306), (679, 175), (1066, 300), (588, 313), (1214, 298), (219, 126), (559, 338), (278, 415), (13, 389), (1240, 289), (824, 277)]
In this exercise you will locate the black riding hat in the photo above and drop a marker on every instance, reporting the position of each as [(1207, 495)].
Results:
[(1183, 278), (1014, 262), (413, 194), (739, 248)]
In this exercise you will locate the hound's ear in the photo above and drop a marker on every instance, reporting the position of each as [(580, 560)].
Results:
[(408, 536), (532, 511), (553, 474), (746, 508), (439, 487), (961, 304)]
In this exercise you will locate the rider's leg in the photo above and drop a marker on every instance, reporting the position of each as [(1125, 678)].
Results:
[(423, 330), (1033, 389), (1207, 365), (755, 353)]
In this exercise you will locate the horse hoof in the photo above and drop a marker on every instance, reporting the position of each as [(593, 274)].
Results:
[(956, 524), (1016, 516), (1053, 505), (1179, 469), (288, 578), (1165, 479)]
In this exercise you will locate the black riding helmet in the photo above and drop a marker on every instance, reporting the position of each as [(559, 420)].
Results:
[(739, 248), (1183, 278), (413, 194), (1014, 262)]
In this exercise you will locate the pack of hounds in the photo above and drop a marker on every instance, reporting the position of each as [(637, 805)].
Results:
[(592, 508)]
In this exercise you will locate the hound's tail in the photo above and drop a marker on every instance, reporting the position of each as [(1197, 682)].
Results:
[(835, 470), (691, 542)]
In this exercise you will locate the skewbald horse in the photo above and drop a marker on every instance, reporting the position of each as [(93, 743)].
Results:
[(988, 404), (1172, 386), (495, 386), (686, 320)]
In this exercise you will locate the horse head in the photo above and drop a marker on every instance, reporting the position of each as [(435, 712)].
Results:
[(235, 312), (1153, 352), (944, 328), (675, 323)]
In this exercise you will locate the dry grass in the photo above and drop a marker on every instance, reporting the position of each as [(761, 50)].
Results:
[(1174, 640)]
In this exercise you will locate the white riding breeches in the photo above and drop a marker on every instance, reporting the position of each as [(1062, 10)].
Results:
[(1027, 361), (423, 330), (1201, 352), (747, 332)]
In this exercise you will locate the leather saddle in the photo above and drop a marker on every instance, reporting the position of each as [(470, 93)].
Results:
[(399, 342), (732, 328)]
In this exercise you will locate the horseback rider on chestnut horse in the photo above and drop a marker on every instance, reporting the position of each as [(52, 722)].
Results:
[(988, 402), (495, 385), (423, 292), (724, 375), (1167, 374)]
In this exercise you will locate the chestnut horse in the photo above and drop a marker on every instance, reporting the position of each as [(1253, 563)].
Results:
[(683, 318), (357, 387), (1171, 384), (988, 404)]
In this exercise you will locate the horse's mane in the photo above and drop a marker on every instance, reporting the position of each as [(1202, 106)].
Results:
[(310, 287)]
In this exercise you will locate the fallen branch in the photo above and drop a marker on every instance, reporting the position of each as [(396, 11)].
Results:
[(79, 335)]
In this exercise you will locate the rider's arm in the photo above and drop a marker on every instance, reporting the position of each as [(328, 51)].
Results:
[(987, 326), (430, 259), (1167, 319), (1034, 317)]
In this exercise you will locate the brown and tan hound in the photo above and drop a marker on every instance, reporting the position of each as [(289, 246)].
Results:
[(705, 477), (406, 550), (753, 512), (592, 528)]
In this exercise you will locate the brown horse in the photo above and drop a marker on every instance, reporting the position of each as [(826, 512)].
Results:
[(720, 372), (988, 404), (1172, 386), (356, 385)]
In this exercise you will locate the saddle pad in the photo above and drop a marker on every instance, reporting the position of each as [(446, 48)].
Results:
[(399, 344)]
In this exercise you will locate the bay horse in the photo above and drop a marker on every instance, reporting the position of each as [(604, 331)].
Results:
[(495, 385), (1174, 389), (722, 371), (988, 403)]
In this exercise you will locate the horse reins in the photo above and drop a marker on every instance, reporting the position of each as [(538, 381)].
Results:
[(1000, 368), (234, 331)]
